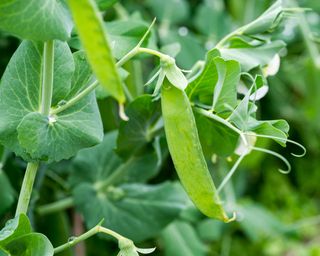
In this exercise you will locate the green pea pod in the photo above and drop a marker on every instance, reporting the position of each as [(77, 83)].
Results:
[(186, 152), (94, 39)]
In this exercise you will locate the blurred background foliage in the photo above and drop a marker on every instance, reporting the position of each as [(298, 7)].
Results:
[(278, 214)]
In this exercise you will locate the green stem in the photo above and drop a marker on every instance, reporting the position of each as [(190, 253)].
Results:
[(114, 176), (95, 84), (47, 81), (76, 99), (86, 235), (56, 206), (26, 189), (222, 121), (152, 52), (223, 41), (47, 88)]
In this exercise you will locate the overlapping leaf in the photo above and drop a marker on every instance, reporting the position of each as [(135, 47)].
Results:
[(16, 239), (39, 20), (144, 123), (24, 129), (216, 86), (106, 187)]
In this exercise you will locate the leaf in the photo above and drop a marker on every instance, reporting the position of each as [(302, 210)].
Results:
[(266, 21), (33, 244), (124, 35), (105, 4), (181, 239), (7, 193), (240, 116), (210, 230), (35, 20), (173, 10), (101, 164), (215, 138), (276, 128), (243, 117), (216, 85), (225, 90), (202, 86), (252, 56), (51, 138), (131, 209), (212, 20), (144, 122), (17, 239), (94, 39), (258, 222), (14, 228)]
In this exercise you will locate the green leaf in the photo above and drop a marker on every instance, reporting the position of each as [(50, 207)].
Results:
[(258, 222), (225, 90), (250, 56), (94, 39), (210, 230), (105, 4), (276, 128), (16, 239), (14, 228), (244, 118), (51, 138), (101, 165), (7, 193), (144, 123), (266, 21), (181, 239), (172, 10), (33, 244), (215, 138), (201, 87), (216, 85), (211, 19), (35, 20), (124, 35), (131, 209)]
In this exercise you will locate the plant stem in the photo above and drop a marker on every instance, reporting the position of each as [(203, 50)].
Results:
[(113, 178), (222, 121), (97, 229), (152, 52), (75, 99), (95, 84), (26, 189), (56, 206), (47, 88), (47, 80)]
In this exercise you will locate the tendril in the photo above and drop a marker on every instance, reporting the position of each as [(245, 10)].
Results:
[(304, 150), (277, 155)]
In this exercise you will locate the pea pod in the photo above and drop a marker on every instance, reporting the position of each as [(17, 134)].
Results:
[(186, 152), (93, 36)]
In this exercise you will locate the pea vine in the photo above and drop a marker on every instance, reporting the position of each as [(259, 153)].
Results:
[(49, 112)]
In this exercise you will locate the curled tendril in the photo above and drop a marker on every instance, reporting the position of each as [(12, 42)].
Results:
[(270, 152), (304, 150)]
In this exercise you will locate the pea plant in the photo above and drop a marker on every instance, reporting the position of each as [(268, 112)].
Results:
[(72, 67)]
